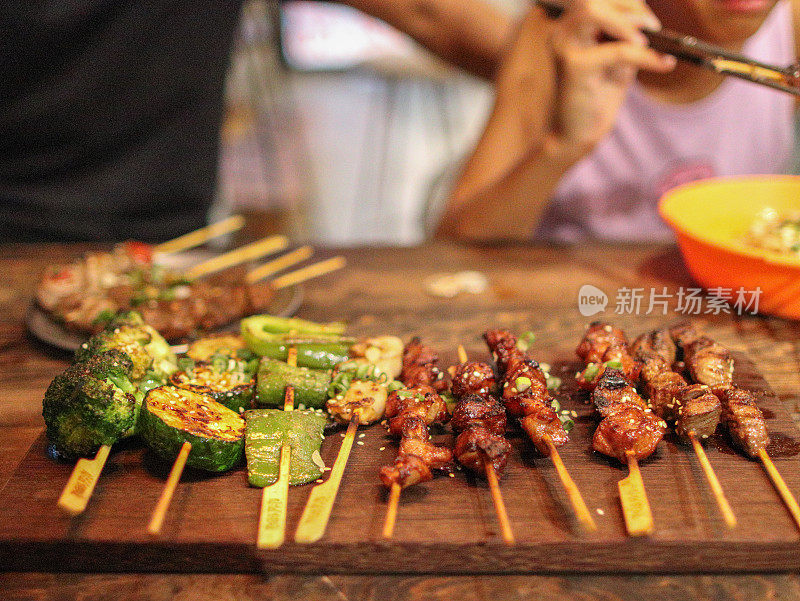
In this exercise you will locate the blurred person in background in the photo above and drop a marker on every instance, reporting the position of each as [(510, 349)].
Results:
[(110, 111), (586, 135)]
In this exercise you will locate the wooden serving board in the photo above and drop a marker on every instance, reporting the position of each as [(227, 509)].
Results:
[(446, 526)]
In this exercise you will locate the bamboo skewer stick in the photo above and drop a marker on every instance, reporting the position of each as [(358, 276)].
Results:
[(275, 498), (780, 486), (635, 506), (713, 482), (494, 485), (199, 236), (242, 254), (499, 505), (276, 265), (81, 483), (157, 520), (310, 271), (573, 492), (391, 510), (318, 508)]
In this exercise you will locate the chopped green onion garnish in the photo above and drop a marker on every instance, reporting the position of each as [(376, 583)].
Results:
[(615, 364), (394, 385), (591, 371), (553, 383), (522, 383)]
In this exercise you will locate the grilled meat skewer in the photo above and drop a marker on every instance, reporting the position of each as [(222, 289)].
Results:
[(525, 393), (744, 419), (419, 367), (605, 346), (474, 410), (711, 364), (693, 409), (481, 445), (479, 419), (409, 412), (477, 446), (628, 426), (525, 396)]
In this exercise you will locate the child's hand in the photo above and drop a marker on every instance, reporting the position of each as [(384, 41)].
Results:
[(594, 74)]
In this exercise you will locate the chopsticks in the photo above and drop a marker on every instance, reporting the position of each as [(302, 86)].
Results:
[(711, 57)]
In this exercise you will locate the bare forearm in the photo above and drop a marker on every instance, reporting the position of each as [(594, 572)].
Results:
[(507, 181), (511, 207), (468, 33)]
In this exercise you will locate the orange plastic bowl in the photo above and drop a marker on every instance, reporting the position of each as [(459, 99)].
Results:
[(711, 219)]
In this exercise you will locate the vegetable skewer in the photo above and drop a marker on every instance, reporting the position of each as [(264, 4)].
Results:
[(275, 498), (95, 402), (476, 428), (192, 428), (358, 394), (320, 502), (200, 236)]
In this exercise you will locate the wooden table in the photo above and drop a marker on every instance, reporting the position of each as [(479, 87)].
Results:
[(531, 288)]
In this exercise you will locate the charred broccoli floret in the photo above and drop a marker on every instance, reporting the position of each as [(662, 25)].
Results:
[(164, 360), (146, 348), (126, 318), (91, 404), (131, 341)]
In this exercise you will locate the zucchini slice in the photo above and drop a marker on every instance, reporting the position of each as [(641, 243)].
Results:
[(171, 416), (232, 387), (268, 429)]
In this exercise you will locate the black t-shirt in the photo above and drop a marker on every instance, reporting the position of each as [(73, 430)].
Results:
[(110, 115)]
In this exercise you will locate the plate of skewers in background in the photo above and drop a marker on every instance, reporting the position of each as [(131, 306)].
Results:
[(65, 315)]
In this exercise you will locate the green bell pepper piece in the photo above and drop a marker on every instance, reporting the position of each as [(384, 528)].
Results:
[(269, 429), (320, 351), (310, 385), (283, 325)]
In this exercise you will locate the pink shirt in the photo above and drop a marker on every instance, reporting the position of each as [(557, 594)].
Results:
[(741, 128)]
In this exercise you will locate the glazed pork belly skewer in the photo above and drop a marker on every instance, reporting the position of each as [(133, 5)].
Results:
[(692, 409), (628, 430), (605, 346), (712, 365), (420, 367), (632, 429), (525, 396), (480, 421), (409, 412)]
